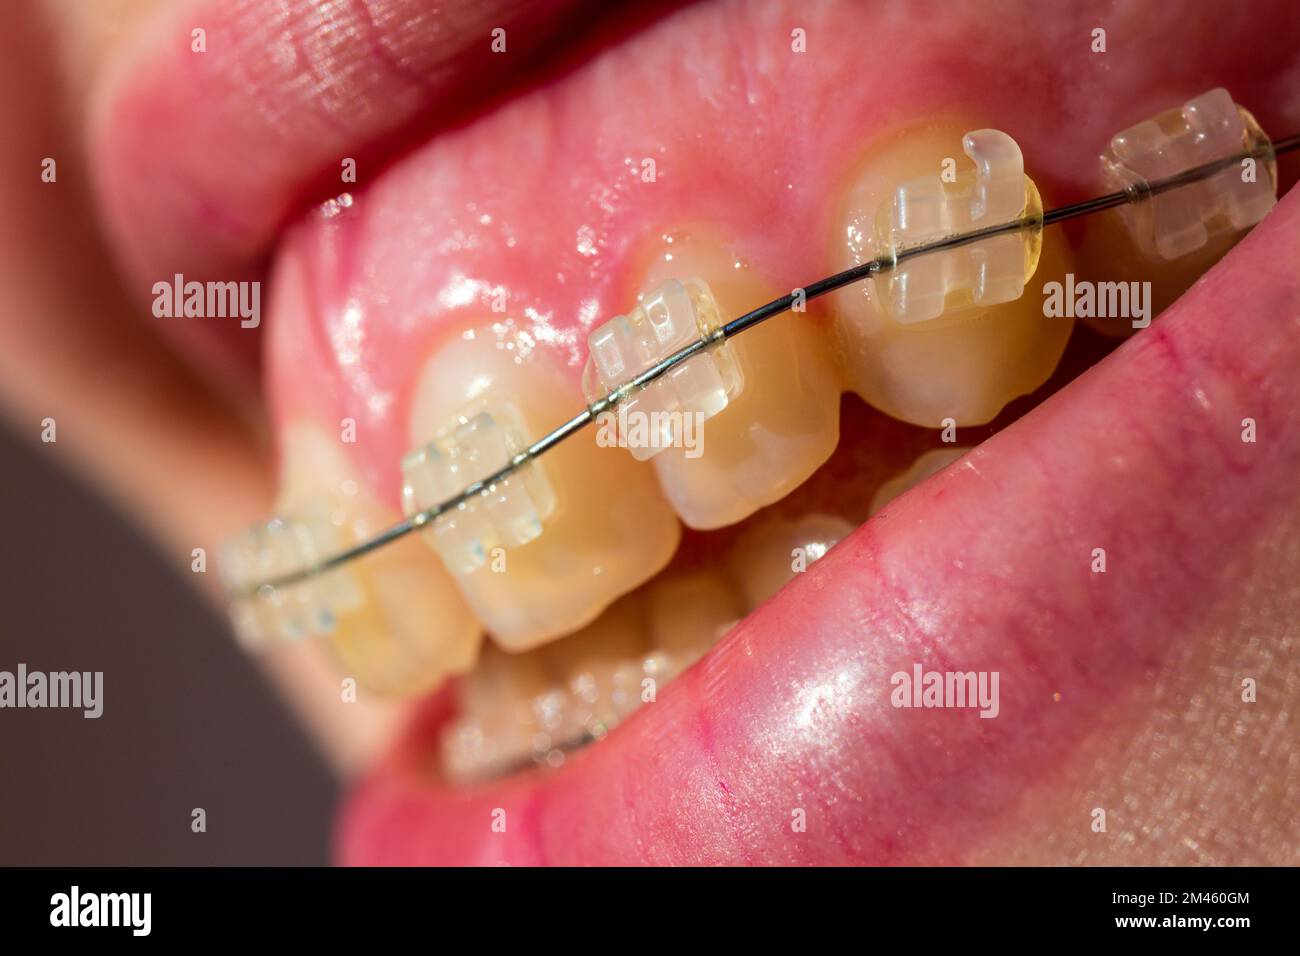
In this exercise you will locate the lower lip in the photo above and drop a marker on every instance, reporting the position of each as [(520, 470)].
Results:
[(986, 568)]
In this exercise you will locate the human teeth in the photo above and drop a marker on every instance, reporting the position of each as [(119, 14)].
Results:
[(393, 619), (507, 514), (600, 670), (278, 547), (689, 613), (765, 557), (927, 463), (775, 432), (518, 710), (497, 726), (542, 553), (947, 335), (926, 209), (1168, 241), (523, 709), (667, 318), (1208, 128)]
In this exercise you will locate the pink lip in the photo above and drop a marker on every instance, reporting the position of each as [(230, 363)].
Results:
[(984, 568), (201, 158)]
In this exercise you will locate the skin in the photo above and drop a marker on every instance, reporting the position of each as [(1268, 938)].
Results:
[(790, 711)]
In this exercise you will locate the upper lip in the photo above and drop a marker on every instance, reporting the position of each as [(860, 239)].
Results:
[(202, 159)]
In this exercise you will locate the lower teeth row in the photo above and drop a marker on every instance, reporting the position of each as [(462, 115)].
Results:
[(540, 729)]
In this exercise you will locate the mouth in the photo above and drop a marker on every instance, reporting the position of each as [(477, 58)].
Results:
[(675, 658)]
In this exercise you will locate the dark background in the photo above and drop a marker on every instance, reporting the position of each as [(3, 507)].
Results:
[(187, 721)]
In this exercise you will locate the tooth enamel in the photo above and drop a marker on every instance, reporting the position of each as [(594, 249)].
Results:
[(507, 514), (1167, 242), (548, 549), (393, 620), (592, 667), (926, 464), (780, 428), (923, 343), (498, 723), (765, 557), (1207, 128), (667, 318), (689, 613), (518, 710)]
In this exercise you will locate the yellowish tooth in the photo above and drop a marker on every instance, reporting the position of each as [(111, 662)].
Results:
[(927, 463), (393, 619), (785, 421), (765, 557), (542, 554), (526, 708), (601, 669), (1162, 245), (500, 719), (529, 708), (1107, 254), (689, 612), (1207, 128), (918, 344)]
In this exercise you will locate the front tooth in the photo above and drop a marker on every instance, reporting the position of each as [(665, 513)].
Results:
[(766, 556), (600, 670), (542, 553), (507, 514), (774, 431), (952, 334), (926, 464), (393, 619)]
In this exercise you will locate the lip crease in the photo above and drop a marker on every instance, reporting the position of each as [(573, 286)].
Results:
[(985, 567)]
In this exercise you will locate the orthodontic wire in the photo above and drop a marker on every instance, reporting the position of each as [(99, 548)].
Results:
[(1134, 194)]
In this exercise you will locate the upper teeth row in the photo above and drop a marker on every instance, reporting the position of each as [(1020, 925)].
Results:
[(910, 288)]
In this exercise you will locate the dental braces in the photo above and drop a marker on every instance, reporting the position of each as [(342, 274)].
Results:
[(1150, 144)]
